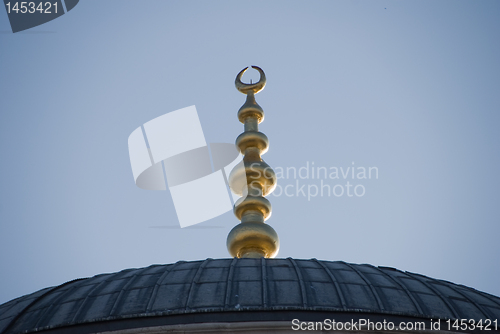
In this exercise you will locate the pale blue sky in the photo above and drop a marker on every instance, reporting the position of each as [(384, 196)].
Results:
[(411, 87)]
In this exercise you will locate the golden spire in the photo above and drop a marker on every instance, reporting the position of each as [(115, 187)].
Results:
[(252, 238)]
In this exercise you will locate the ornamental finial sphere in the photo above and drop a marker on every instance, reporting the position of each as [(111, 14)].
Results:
[(256, 87)]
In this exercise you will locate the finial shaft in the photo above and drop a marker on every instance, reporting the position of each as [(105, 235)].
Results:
[(252, 237)]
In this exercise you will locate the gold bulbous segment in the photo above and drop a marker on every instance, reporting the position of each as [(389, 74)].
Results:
[(252, 180), (253, 175), (260, 173), (252, 139), (251, 109), (255, 204), (253, 240)]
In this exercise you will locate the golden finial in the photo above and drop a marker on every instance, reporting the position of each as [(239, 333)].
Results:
[(252, 238)]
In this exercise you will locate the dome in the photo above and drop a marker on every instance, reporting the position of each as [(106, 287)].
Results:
[(229, 290)]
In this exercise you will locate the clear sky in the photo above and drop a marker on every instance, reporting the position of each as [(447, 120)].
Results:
[(409, 87)]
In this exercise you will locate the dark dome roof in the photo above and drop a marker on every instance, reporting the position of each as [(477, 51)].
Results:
[(226, 286)]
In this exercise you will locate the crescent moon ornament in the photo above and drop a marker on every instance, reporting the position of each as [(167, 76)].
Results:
[(255, 87)]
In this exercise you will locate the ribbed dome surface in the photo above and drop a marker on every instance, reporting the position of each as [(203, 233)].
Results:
[(230, 285)]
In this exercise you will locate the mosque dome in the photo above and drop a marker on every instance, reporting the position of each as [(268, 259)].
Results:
[(224, 291)]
